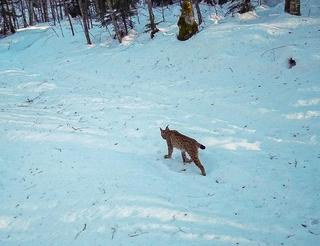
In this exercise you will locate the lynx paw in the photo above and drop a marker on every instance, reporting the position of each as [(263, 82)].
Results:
[(167, 157)]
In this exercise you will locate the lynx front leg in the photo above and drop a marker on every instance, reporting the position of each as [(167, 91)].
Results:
[(185, 158), (170, 150)]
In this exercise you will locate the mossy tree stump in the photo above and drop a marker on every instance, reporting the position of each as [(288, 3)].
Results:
[(187, 24)]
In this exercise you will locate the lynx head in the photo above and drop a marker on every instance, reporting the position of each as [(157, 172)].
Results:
[(165, 132)]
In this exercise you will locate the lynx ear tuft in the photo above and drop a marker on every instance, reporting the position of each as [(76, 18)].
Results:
[(167, 127)]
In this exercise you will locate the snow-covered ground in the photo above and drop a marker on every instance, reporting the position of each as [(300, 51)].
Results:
[(81, 157)]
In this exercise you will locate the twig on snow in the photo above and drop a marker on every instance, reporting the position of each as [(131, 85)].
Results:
[(136, 233), (83, 229), (74, 128), (313, 233), (32, 100), (30, 187), (114, 230), (180, 230), (279, 47)]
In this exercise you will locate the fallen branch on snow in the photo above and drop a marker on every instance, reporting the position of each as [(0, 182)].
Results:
[(135, 234), (32, 100), (83, 229), (279, 47), (113, 232)]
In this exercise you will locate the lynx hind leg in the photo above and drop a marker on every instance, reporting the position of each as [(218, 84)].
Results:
[(185, 158), (196, 161)]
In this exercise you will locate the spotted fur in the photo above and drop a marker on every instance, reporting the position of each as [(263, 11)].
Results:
[(184, 143)]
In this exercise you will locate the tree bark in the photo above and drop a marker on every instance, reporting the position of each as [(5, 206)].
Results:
[(68, 15), (287, 6), (41, 11), (162, 11), (9, 15), (55, 7), (153, 27), (30, 10), (25, 24), (295, 7), (198, 12), (114, 21), (292, 7), (14, 16), (84, 13), (53, 12), (45, 10), (60, 9), (101, 8), (116, 28), (3, 13), (123, 16)]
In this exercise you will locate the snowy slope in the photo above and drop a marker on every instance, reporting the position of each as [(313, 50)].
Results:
[(81, 157)]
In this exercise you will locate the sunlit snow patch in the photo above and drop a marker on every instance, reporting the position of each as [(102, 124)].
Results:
[(33, 28), (232, 144), (303, 115), (37, 86), (309, 102), (216, 18), (129, 39), (248, 16)]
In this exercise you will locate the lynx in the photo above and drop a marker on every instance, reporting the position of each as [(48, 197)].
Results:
[(186, 144)]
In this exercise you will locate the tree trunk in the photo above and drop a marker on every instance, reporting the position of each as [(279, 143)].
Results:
[(30, 10), (69, 19), (287, 6), (162, 11), (198, 12), (56, 10), (14, 16), (153, 27), (123, 16), (60, 9), (116, 28), (101, 8), (41, 11), (53, 13), (84, 13), (90, 17), (9, 14), (295, 7), (114, 22), (23, 14), (45, 10), (4, 16), (292, 7)]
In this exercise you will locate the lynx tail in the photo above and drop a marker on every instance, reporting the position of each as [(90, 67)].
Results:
[(202, 146)]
